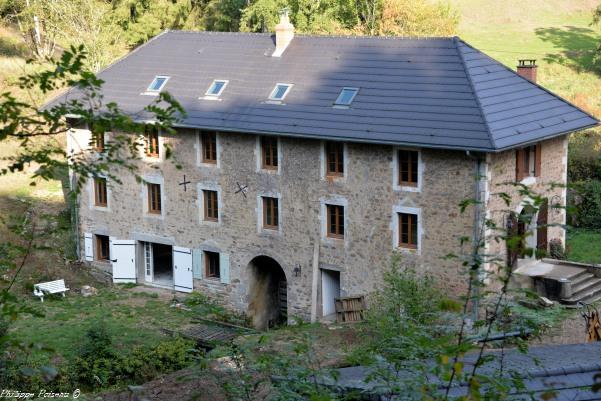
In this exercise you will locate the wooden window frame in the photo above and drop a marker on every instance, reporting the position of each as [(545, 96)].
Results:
[(100, 192), (522, 162), (99, 142), (335, 149), (339, 225), (208, 257), (211, 211), (269, 150), (208, 146), (100, 241), (412, 167), (271, 210), (409, 244), (154, 197), (152, 142)]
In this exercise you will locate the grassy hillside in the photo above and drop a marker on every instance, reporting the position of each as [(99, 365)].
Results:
[(555, 32)]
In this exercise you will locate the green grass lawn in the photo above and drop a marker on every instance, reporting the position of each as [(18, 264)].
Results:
[(555, 32), (584, 245), (133, 318)]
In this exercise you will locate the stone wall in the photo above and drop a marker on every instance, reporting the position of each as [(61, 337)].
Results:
[(501, 170), (367, 189)]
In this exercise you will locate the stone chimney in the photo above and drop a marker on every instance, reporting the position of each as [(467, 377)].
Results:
[(527, 69), (284, 32)]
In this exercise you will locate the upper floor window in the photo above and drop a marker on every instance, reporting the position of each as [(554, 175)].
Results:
[(154, 198), (528, 162), (334, 159), (209, 147), (270, 213), (211, 205), (335, 221), (346, 96), (151, 137), (157, 83), (269, 152), (100, 193), (408, 168), (280, 91), (212, 268), (408, 230)]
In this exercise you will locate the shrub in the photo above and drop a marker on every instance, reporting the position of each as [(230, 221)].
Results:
[(556, 249), (99, 365), (584, 158), (585, 204)]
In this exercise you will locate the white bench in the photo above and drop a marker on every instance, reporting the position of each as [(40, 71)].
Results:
[(51, 287)]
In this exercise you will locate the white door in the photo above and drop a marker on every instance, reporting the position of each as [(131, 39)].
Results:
[(148, 262), (124, 261), (88, 247), (182, 269), (330, 290)]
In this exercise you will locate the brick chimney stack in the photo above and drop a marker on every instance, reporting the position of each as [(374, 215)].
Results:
[(527, 69), (284, 33)]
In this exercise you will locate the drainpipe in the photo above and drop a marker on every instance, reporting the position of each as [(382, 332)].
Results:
[(476, 226)]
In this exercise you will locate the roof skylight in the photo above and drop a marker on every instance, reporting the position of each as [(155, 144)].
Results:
[(157, 83), (280, 91), (346, 96), (216, 88)]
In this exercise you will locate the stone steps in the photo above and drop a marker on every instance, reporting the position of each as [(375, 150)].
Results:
[(586, 288)]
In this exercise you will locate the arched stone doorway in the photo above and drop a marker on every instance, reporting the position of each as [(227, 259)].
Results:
[(268, 293), (531, 226)]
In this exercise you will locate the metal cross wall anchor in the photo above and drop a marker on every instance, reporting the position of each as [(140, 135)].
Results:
[(185, 183), (242, 189)]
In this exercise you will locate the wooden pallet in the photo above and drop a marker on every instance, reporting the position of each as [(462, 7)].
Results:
[(350, 309)]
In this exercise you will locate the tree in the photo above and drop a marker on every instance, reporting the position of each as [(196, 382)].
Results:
[(417, 18)]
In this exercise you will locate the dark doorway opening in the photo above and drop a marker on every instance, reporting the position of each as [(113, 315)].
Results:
[(268, 293), (162, 263)]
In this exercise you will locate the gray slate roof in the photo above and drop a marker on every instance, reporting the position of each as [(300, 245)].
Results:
[(568, 370), (437, 92)]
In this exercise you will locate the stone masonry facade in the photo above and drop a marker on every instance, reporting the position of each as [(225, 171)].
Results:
[(367, 190), (501, 170)]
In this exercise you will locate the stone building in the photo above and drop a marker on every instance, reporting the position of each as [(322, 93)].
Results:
[(307, 161)]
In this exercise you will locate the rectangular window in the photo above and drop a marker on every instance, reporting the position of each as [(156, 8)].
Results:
[(100, 195), (335, 221), (216, 88), (334, 159), (151, 137), (269, 150), (408, 168), (99, 141), (209, 147), (102, 247), (211, 205), (154, 198), (212, 265), (528, 162), (157, 83), (270, 213), (346, 96), (408, 230)]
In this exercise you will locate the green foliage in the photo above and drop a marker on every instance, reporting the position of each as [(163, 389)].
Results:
[(584, 156), (586, 199), (100, 365)]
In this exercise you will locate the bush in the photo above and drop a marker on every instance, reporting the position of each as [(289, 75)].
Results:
[(584, 157), (556, 249), (585, 204), (99, 365)]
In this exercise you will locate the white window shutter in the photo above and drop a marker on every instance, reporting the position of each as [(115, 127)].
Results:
[(88, 247), (197, 263), (224, 268)]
